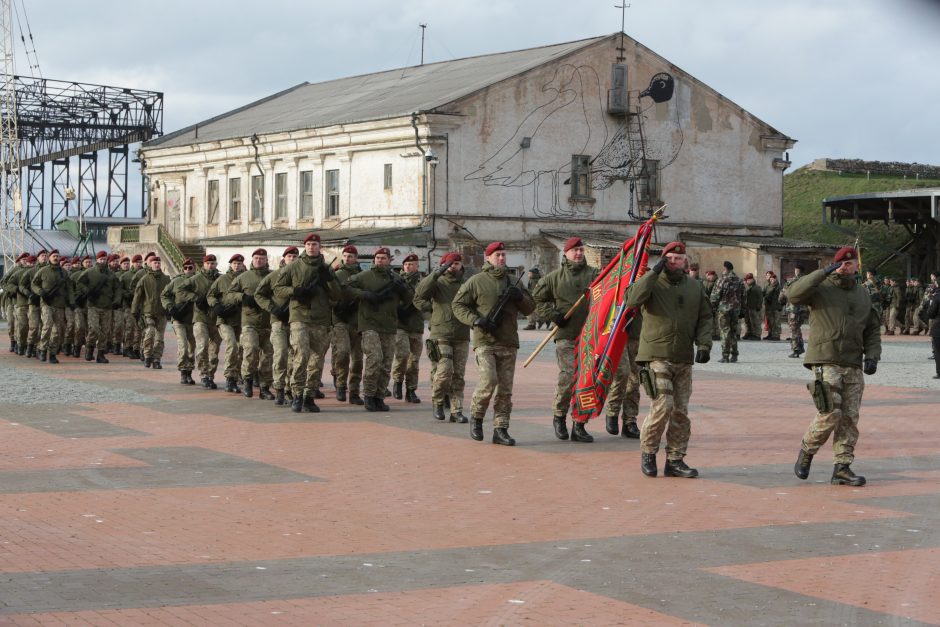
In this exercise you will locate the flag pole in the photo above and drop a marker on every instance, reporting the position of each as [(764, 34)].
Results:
[(538, 349)]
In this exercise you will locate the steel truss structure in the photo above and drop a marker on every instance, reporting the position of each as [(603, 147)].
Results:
[(62, 122)]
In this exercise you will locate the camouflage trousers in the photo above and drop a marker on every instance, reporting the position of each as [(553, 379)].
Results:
[(894, 317), (669, 411), (908, 320), (208, 341), (153, 343), (22, 325), (624, 393), (449, 371), (69, 326), (53, 328), (715, 334), (35, 323), (256, 355), (185, 346), (99, 328), (377, 351), (79, 326), (496, 367), (773, 323), (231, 367), (565, 357), (281, 354), (730, 330), (128, 332), (752, 323), (117, 327), (10, 312), (347, 357), (408, 347), (795, 322), (310, 343), (847, 384)]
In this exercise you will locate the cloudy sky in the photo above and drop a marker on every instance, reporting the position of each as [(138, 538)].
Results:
[(847, 78)]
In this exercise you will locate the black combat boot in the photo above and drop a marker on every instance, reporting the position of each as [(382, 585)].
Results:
[(396, 390), (369, 403), (411, 397), (648, 464), (613, 424), (297, 403), (264, 393), (52, 358), (279, 396), (801, 467), (458, 417), (578, 434), (561, 429), (310, 404), (155, 364), (318, 394), (189, 378), (205, 382), (341, 394), (476, 429), (678, 468), (212, 385), (148, 362), (388, 393), (41, 355), (630, 430), (501, 436), (843, 475), (77, 351), (31, 351), (723, 360), (380, 404), (101, 358), (183, 379), (355, 399), (438, 412), (734, 358), (793, 355), (12, 347), (67, 350), (20, 349), (249, 387), (230, 385)]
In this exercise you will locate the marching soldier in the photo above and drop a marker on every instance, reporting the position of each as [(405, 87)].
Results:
[(896, 310), (772, 306), (10, 289), (623, 398), (310, 285), (205, 330), (449, 337), (129, 336), (711, 278), (495, 339), (796, 314), (53, 287), (917, 323), (80, 325), (279, 309), (676, 319), (255, 325), (228, 319), (22, 308), (119, 266), (98, 286), (534, 320), (845, 343), (147, 309), (728, 299), (753, 303), (873, 287), (34, 319), (380, 294), (68, 330), (408, 338), (346, 347), (554, 296), (179, 304)]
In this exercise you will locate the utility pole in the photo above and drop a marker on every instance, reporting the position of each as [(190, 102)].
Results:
[(423, 28), (11, 236)]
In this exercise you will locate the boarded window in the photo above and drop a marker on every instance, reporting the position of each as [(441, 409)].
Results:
[(306, 194), (257, 198), (280, 196), (332, 193), (212, 206), (388, 176), (580, 176), (234, 200)]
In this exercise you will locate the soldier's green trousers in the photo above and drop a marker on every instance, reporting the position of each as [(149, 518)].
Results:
[(131, 336), (752, 323), (69, 326), (730, 331), (22, 325), (35, 324), (11, 319), (208, 341), (624, 393), (773, 323), (669, 411), (280, 344), (565, 359), (310, 343), (347, 357), (449, 373), (80, 326), (232, 366), (496, 367), (117, 326), (847, 384), (256, 355), (153, 342), (53, 324), (408, 347), (795, 322), (99, 329), (185, 346), (377, 351)]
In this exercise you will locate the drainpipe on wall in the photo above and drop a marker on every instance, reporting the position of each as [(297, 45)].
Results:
[(254, 144), (424, 185)]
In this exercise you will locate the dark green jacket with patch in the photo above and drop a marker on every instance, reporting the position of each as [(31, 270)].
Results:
[(230, 315), (480, 294), (175, 295), (381, 316), (147, 294), (53, 286), (347, 310), (439, 289), (559, 290), (410, 319), (277, 306), (99, 287), (242, 291), (318, 308)]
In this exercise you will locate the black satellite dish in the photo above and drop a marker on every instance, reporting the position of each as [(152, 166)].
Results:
[(661, 88)]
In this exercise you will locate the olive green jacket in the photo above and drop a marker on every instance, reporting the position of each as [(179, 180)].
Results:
[(305, 271), (244, 285), (175, 294), (147, 294), (480, 294), (439, 289), (845, 324), (11, 284), (753, 296), (772, 297), (196, 290), (277, 306), (559, 290), (346, 310), (677, 317), (53, 286), (26, 284), (99, 287), (127, 284), (227, 314), (410, 319), (381, 316)]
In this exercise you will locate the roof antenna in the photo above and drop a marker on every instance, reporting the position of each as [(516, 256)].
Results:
[(423, 28), (623, 14)]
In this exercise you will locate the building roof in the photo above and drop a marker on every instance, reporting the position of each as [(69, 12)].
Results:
[(758, 241), (381, 95), (910, 206), (35, 240), (415, 235)]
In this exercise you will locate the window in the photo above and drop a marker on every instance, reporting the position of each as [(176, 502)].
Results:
[(213, 194), (648, 183), (306, 194), (332, 193), (257, 198), (191, 216), (234, 200), (280, 196), (388, 176), (580, 176)]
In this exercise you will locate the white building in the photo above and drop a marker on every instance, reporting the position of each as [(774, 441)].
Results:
[(524, 147)]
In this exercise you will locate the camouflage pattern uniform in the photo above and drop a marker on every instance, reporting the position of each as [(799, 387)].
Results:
[(753, 302), (534, 320), (80, 315), (771, 294), (796, 316), (117, 312), (709, 285), (623, 398), (228, 320), (148, 308), (180, 307), (347, 341), (728, 299), (21, 313), (896, 311), (10, 285), (279, 309), (53, 287), (257, 351), (205, 330), (33, 319), (874, 292), (99, 287), (408, 340)]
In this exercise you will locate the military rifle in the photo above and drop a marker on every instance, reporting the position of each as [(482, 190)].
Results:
[(492, 318)]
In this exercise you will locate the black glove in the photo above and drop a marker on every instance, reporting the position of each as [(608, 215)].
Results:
[(305, 291), (870, 366), (325, 273), (560, 320), (702, 356), (281, 312), (514, 294), (485, 324), (81, 303), (43, 293), (371, 297), (400, 287), (34, 299), (248, 299), (202, 303), (217, 309), (832, 267), (115, 306), (444, 267), (660, 265)]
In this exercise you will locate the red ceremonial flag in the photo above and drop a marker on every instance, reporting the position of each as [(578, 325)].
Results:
[(604, 334)]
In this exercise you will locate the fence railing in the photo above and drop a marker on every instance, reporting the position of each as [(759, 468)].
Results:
[(168, 245), (130, 234)]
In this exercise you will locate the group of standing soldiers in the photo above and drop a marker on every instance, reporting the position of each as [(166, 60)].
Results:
[(901, 307)]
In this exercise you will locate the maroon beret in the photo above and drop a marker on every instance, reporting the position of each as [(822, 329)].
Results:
[(748, 276), (410, 257), (711, 273), (76, 259), (113, 257), (22, 256), (208, 258), (382, 250), (573, 242), (137, 258), (495, 246), (236, 257), (350, 249), (125, 258), (65, 259), (260, 252), (149, 255), (54, 251), (313, 237), (31, 259), (154, 257), (188, 262), (86, 258), (101, 255), (674, 247), (290, 250), (451, 257), (42, 251), (846, 253)]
